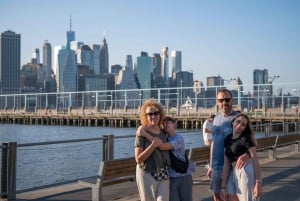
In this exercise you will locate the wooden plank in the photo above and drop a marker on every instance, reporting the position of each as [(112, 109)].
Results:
[(287, 139), (266, 143)]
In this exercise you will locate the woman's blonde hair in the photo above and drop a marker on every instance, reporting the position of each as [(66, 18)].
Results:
[(151, 103)]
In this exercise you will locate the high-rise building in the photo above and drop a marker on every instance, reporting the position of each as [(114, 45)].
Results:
[(213, 81), (10, 59), (156, 60), (85, 56), (260, 79), (181, 80), (36, 55), (126, 80), (129, 62), (47, 55), (176, 61), (46, 80), (157, 79), (96, 58), (66, 77), (70, 35), (143, 71), (165, 64), (104, 59)]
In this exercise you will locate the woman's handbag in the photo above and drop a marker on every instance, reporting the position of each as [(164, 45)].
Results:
[(179, 165)]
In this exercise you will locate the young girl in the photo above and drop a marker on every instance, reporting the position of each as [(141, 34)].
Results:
[(248, 181)]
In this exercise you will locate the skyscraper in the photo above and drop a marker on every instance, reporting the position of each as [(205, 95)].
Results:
[(70, 35), (129, 62), (96, 58), (10, 59), (67, 71), (165, 65), (157, 79), (104, 57), (176, 61), (36, 55), (47, 55), (260, 78), (143, 70)]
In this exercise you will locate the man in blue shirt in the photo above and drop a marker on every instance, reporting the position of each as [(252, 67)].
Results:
[(221, 128)]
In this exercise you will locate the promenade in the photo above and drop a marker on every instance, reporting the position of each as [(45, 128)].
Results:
[(281, 182)]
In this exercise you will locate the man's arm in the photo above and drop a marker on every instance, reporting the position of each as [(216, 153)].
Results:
[(210, 160)]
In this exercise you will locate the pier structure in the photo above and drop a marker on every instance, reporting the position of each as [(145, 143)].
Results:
[(130, 118)]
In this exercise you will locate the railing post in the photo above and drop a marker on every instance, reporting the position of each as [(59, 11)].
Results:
[(267, 129), (285, 128), (108, 147), (8, 170)]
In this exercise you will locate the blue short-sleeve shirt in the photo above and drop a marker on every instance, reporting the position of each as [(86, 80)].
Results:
[(221, 128)]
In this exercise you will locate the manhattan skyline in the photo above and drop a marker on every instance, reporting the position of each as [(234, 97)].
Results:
[(226, 38)]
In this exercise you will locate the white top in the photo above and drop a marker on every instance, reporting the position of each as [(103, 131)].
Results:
[(208, 125)]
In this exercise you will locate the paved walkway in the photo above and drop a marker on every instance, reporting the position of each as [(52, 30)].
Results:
[(281, 182)]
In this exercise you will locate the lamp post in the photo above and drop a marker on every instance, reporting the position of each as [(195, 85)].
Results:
[(196, 91), (271, 88), (140, 94), (181, 92)]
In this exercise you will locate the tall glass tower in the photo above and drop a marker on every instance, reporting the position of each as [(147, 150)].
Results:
[(143, 70), (47, 60), (104, 57), (70, 36), (176, 61), (10, 59), (165, 64)]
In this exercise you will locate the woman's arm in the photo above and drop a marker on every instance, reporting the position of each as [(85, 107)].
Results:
[(257, 170), (163, 146), (142, 154)]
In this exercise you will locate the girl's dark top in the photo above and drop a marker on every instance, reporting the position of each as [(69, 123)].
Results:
[(237, 147)]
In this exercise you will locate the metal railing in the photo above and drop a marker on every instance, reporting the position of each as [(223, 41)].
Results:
[(260, 97), (9, 152)]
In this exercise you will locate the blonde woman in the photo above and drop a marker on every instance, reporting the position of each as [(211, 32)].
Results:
[(152, 171)]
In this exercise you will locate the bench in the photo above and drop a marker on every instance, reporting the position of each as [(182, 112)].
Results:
[(274, 142), (291, 139), (284, 140), (266, 143), (111, 172)]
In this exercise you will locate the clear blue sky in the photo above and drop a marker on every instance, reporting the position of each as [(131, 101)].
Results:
[(217, 37)]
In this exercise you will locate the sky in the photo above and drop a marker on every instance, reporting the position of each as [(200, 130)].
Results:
[(229, 38)]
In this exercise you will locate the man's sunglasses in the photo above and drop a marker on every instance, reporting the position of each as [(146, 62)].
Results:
[(227, 100), (153, 113)]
